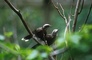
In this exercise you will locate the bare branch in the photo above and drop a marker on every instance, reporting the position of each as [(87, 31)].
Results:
[(81, 7), (23, 21), (86, 17), (62, 8), (76, 15), (88, 14), (63, 13), (67, 29), (58, 10)]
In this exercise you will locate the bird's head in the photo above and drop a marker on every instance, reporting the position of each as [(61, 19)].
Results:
[(54, 32), (45, 26)]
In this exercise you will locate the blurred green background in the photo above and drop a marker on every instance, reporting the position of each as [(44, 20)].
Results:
[(36, 13)]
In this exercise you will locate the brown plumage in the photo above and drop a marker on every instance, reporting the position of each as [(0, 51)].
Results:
[(50, 38), (39, 33)]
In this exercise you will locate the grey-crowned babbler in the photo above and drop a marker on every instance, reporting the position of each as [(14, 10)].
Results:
[(39, 33), (50, 38)]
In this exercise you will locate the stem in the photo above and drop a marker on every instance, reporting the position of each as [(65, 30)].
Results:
[(76, 15)]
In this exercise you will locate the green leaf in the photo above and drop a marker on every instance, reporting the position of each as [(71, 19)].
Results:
[(60, 42), (17, 47), (8, 34), (2, 37), (8, 48), (34, 54), (44, 55), (44, 49)]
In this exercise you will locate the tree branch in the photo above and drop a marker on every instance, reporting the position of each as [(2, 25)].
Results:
[(59, 11), (81, 7), (76, 15), (23, 21), (67, 29), (86, 17), (63, 13), (88, 14)]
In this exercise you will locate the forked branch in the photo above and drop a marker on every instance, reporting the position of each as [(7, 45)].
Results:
[(61, 14)]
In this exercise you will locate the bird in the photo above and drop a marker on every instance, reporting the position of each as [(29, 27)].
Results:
[(39, 33), (50, 38)]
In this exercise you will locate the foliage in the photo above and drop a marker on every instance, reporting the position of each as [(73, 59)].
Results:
[(79, 44)]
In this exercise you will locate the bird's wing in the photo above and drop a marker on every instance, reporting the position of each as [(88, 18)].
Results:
[(38, 29)]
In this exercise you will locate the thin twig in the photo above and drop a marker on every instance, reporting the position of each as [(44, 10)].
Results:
[(63, 13), (23, 21), (76, 15), (81, 7), (58, 10), (88, 14), (66, 30), (86, 17)]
